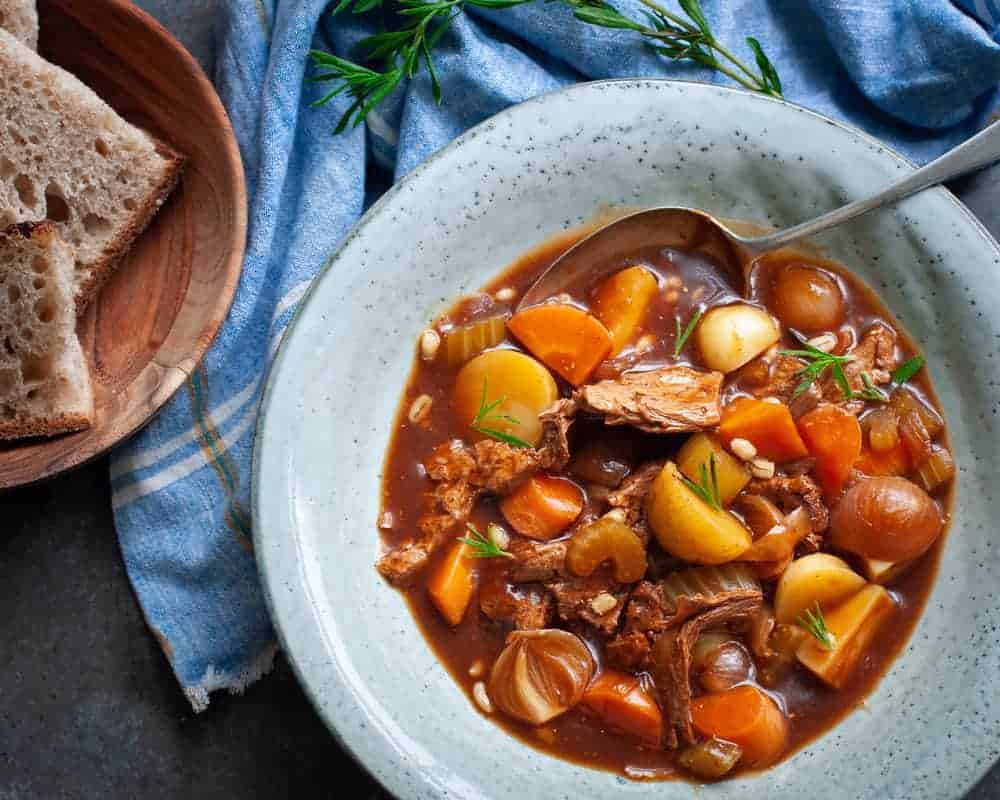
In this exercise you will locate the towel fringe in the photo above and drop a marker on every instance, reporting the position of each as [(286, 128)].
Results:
[(213, 680)]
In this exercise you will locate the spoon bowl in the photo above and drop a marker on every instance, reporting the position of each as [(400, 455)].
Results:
[(600, 254)]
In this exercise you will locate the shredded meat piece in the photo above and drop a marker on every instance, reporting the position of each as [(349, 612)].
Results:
[(773, 376), (577, 599), (556, 421), (628, 652), (499, 468), (874, 354), (447, 506), (670, 665), (527, 609), (401, 565), (790, 492), (537, 562), (647, 611), (693, 591), (461, 474), (667, 400), (631, 495), (650, 612)]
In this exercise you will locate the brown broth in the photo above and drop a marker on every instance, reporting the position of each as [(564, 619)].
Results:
[(812, 708)]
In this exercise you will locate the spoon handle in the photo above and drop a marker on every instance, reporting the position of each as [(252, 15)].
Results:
[(980, 150)]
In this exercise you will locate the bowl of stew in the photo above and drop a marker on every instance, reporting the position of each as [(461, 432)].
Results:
[(670, 526)]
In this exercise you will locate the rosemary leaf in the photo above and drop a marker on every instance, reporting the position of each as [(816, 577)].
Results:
[(907, 370), (686, 36)]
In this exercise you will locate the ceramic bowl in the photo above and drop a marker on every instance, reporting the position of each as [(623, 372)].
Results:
[(930, 729)]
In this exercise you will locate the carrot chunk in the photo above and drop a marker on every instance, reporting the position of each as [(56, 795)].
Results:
[(565, 338), (543, 506), (620, 700), (621, 303), (452, 583), (767, 426), (745, 716), (894, 461), (833, 437)]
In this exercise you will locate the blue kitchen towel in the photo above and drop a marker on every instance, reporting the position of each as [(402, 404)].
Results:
[(920, 74)]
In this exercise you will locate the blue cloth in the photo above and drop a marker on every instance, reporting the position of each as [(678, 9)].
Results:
[(920, 74)]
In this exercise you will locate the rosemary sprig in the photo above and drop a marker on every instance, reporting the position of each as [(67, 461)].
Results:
[(907, 370), (685, 37), (483, 546), (819, 362), (871, 391), (815, 625), (708, 487), (684, 335), (486, 415)]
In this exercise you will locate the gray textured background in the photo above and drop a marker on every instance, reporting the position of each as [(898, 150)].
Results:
[(88, 705)]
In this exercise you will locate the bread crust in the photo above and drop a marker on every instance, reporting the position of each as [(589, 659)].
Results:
[(46, 235), (100, 271), (50, 426)]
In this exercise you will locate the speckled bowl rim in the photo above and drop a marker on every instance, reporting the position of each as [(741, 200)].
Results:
[(305, 307)]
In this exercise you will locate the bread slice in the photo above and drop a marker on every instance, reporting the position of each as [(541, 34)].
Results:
[(44, 381), (20, 17), (68, 157)]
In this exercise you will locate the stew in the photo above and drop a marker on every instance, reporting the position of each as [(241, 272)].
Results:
[(661, 525)]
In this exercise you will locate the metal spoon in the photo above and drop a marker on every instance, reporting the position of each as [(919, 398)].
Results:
[(691, 230)]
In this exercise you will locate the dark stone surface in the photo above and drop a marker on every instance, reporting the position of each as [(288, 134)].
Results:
[(88, 705)]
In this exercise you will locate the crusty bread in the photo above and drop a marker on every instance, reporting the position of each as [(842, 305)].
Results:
[(44, 381), (67, 156), (20, 17)]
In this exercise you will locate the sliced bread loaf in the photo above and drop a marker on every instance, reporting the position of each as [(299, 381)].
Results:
[(44, 381), (20, 17), (66, 156)]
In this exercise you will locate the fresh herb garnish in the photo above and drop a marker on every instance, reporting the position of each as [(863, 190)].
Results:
[(482, 546), (815, 625), (684, 335), (486, 415), (871, 391), (685, 37), (907, 370), (708, 488), (820, 362)]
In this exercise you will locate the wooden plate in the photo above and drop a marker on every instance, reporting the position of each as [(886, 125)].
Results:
[(157, 316)]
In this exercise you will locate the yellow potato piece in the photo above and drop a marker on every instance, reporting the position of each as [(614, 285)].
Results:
[(816, 578), (526, 387), (884, 572), (729, 336), (698, 450), (852, 625), (690, 529)]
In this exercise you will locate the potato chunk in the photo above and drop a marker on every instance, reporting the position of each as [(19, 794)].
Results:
[(527, 388), (816, 578), (690, 529), (852, 626), (730, 336), (698, 450)]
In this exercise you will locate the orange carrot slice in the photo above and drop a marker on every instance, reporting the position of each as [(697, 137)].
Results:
[(565, 338), (543, 506), (767, 426), (452, 583), (620, 700)]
